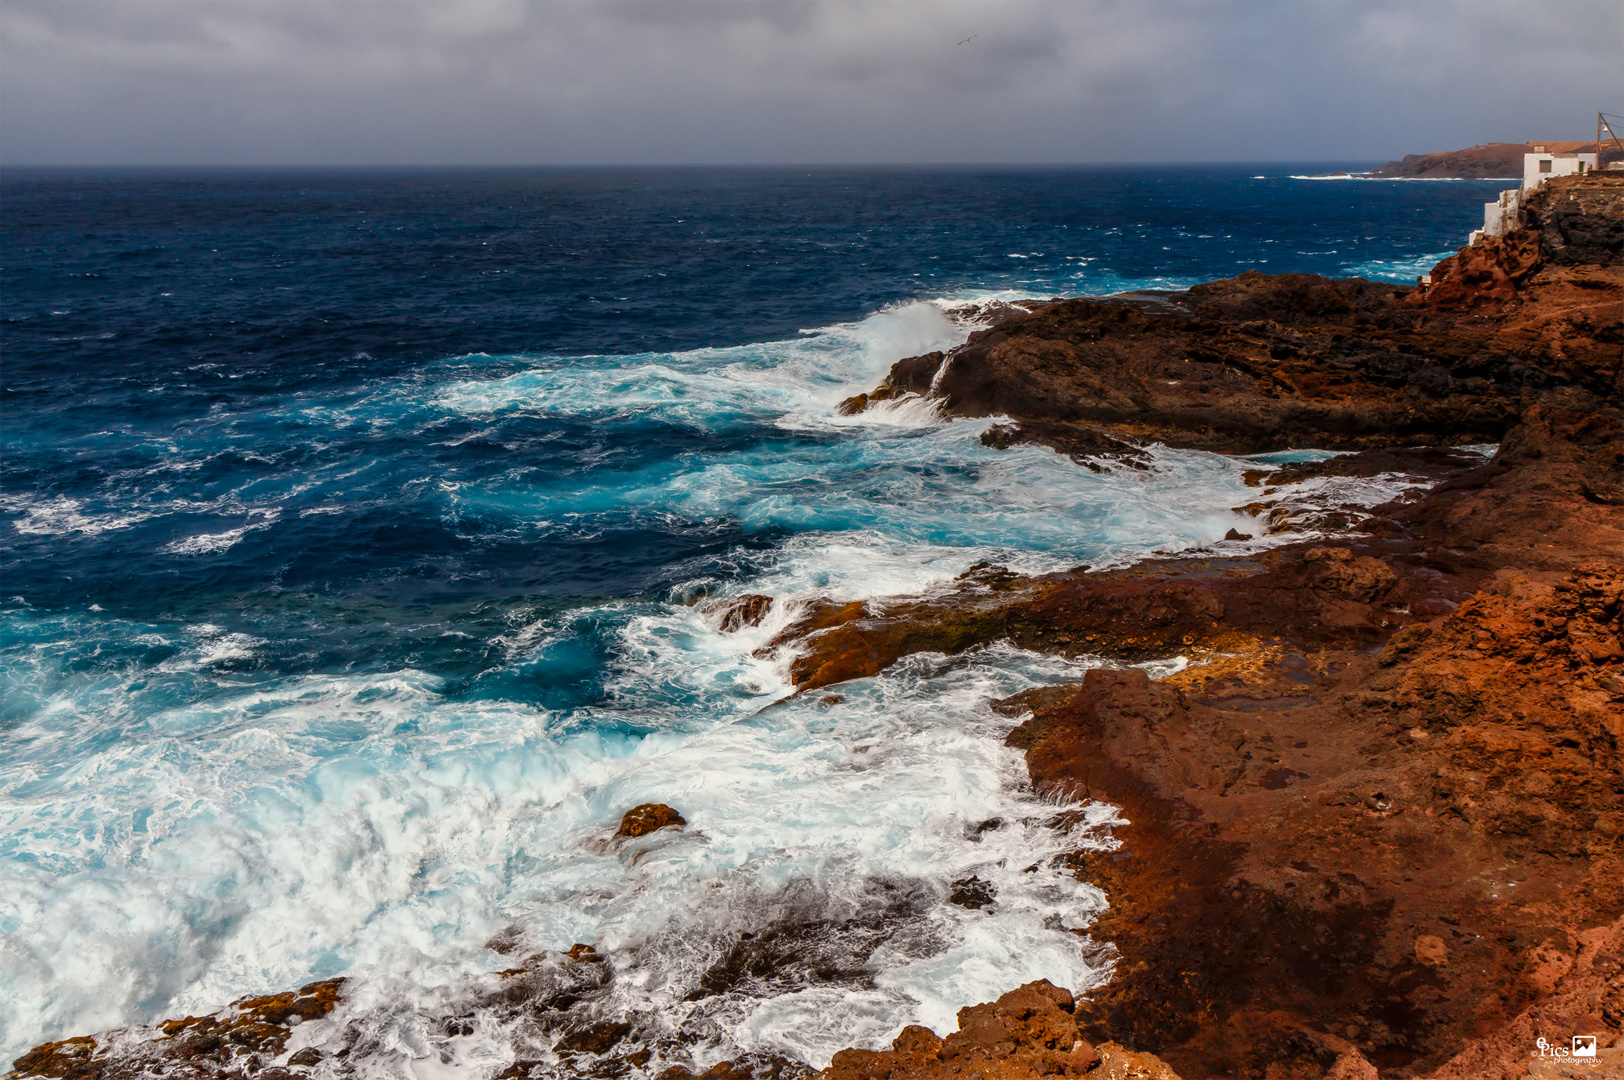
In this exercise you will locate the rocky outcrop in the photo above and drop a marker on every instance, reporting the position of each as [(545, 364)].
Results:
[(243, 1038), (741, 612), (1489, 161), (1487, 274), (1395, 849), (1381, 828), (1573, 232), (1259, 363), (644, 819), (1580, 219), (1028, 1033)]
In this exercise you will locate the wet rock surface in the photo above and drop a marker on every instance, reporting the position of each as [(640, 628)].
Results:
[(644, 819), (241, 1039), (745, 611)]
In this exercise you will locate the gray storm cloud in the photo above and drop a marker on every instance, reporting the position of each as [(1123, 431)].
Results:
[(511, 82)]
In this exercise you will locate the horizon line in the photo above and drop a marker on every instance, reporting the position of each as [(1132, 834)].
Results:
[(442, 166)]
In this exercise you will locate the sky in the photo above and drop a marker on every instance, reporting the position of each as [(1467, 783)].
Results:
[(511, 82)]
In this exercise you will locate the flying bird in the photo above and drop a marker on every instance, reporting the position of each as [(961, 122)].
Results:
[(969, 39)]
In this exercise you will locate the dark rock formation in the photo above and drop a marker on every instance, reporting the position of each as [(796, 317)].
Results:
[(743, 611), (1580, 220), (1259, 363)]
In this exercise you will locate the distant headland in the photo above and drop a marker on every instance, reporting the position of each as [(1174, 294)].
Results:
[(1489, 161)]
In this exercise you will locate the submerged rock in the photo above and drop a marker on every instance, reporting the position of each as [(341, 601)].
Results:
[(972, 892)]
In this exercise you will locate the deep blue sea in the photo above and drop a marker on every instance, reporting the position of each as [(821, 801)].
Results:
[(361, 537)]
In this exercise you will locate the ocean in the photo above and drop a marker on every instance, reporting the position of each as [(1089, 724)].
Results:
[(362, 539)]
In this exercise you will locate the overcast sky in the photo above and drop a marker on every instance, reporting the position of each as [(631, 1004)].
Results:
[(513, 82)]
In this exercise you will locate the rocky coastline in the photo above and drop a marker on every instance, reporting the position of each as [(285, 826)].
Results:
[(1376, 830), (1376, 827)]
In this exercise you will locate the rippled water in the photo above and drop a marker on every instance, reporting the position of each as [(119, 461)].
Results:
[(361, 536)]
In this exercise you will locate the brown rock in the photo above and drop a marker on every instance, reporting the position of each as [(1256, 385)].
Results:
[(1359, 577), (1119, 1063), (1390, 791), (746, 610), (644, 819), (1263, 362), (597, 1038), (1431, 950), (1352, 1065), (250, 1028), (1027, 1033), (1486, 274)]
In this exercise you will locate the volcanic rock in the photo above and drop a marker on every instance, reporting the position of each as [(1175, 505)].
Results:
[(1030, 1032), (644, 819), (1488, 161), (744, 611), (249, 1031), (1259, 363)]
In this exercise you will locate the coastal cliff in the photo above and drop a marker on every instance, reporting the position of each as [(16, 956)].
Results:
[(1376, 826)]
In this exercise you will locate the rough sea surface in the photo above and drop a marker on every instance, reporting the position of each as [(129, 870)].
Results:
[(360, 542)]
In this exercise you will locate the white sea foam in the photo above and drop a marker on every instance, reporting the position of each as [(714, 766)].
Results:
[(61, 516), (1404, 271), (367, 824), (797, 380), (1408, 179), (214, 543)]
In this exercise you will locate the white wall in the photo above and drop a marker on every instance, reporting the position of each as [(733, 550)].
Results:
[(1561, 165)]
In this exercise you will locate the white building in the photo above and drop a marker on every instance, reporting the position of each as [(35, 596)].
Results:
[(1500, 216), (1542, 164), (1505, 213)]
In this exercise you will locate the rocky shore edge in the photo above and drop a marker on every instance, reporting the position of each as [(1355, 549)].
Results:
[(1376, 828)]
